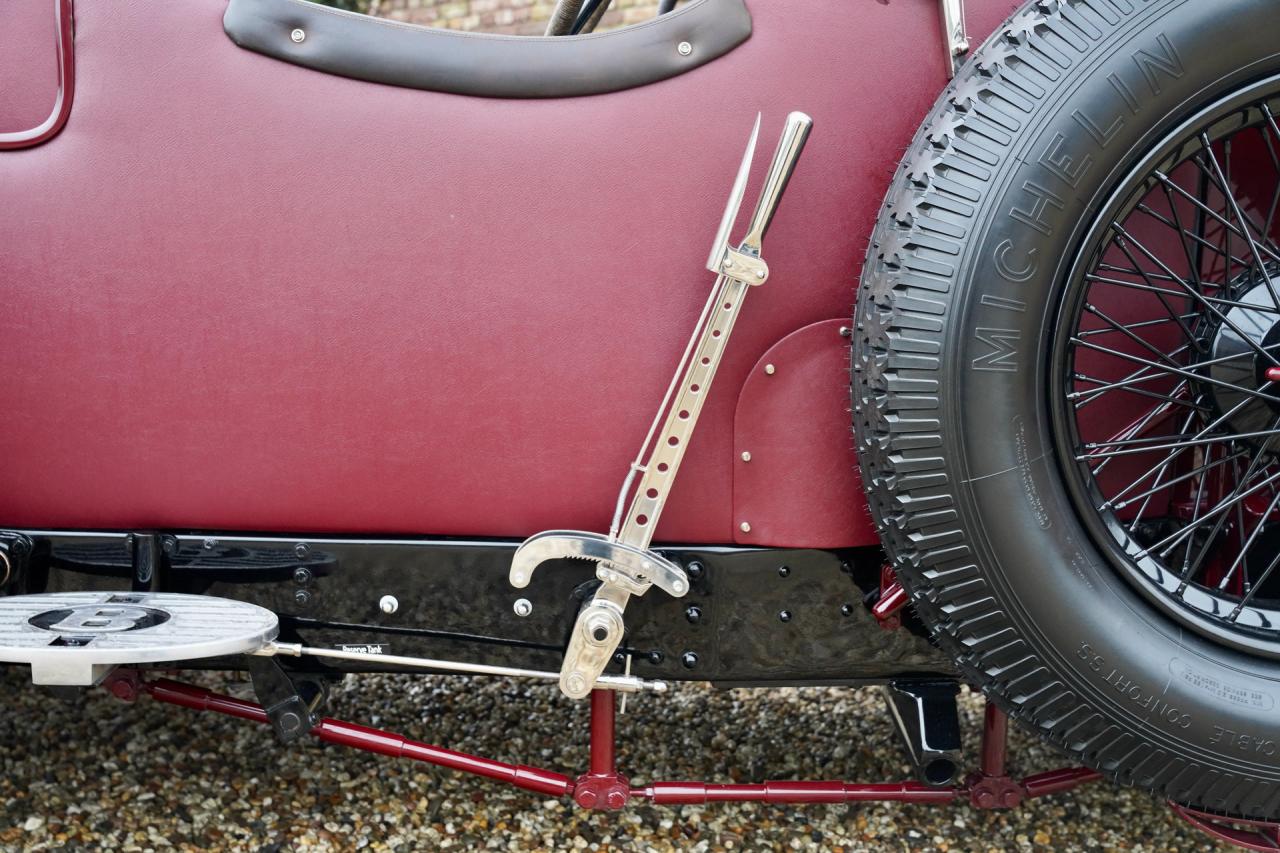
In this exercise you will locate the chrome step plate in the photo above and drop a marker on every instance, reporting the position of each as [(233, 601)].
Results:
[(76, 638)]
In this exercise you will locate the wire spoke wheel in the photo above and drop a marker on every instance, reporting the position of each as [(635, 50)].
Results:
[(1067, 387), (1166, 373)]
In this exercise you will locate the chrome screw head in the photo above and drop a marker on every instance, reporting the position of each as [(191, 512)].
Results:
[(388, 604), (746, 456), (523, 607), (577, 684), (744, 527), (769, 369), (298, 36), (684, 48)]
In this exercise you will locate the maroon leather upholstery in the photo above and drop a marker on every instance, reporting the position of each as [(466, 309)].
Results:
[(245, 295)]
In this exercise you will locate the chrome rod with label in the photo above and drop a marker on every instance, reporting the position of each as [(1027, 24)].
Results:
[(624, 564)]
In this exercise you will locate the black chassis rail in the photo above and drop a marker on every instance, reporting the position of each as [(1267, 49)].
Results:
[(753, 616)]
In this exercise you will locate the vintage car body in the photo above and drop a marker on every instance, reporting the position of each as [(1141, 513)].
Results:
[(502, 315), (326, 314)]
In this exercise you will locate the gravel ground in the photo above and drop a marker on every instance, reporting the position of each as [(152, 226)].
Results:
[(94, 773)]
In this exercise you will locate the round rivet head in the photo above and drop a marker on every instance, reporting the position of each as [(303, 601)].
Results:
[(298, 36), (684, 48), (744, 527), (770, 369), (388, 604), (689, 660), (746, 456), (523, 607), (784, 615), (577, 684)]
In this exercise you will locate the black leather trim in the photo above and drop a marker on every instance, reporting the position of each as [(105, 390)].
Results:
[(485, 64)]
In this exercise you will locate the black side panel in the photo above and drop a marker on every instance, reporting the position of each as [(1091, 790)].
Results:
[(753, 616), (485, 64)]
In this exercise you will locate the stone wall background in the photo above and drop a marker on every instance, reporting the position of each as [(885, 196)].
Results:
[(513, 17)]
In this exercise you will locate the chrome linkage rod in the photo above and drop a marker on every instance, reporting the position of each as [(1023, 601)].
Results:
[(619, 683), (624, 564)]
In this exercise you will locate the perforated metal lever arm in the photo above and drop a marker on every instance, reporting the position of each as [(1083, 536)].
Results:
[(624, 564)]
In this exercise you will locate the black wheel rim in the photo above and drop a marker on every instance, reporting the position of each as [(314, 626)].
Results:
[(1166, 370)]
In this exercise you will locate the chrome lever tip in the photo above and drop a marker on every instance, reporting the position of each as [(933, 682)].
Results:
[(736, 195)]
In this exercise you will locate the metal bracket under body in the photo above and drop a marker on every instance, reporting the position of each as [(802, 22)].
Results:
[(956, 38), (624, 563)]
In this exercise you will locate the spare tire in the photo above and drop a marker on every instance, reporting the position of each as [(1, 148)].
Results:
[(1065, 385)]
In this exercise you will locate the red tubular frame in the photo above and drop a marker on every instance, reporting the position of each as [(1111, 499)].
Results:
[(369, 740), (604, 788)]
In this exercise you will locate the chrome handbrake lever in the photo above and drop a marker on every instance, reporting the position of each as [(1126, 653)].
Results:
[(625, 565)]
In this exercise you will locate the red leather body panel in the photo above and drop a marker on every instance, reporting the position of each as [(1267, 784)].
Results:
[(790, 483), (28, 63), (241, 294)]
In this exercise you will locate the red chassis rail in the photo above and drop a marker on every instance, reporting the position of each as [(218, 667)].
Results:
[(604, 788)]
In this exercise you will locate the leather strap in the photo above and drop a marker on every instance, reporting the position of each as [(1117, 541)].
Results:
[(486, 64)]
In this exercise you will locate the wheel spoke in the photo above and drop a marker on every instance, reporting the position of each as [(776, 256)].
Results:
[(1180, 449), (1194, 294), (1190, 570), (1171, 541), (1158, 487), (1181, 478), (1186, 235), (1142, 342), (1178, 371), (1179, 441), (1127, 387), (1174, 323), (1150, 288), (1254, 249), (1212, 214)]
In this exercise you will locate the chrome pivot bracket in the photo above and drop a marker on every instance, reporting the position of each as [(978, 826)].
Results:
[(616, 562), (625, 565)]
